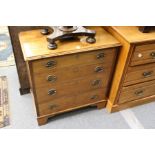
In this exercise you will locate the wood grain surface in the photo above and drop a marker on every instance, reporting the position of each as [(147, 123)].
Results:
[(34, 44)]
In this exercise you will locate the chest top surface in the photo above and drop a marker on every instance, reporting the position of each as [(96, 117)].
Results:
[(133, 35), (34, 44)]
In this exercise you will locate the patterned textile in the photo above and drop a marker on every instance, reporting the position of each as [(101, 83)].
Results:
[(4, 105), (6, 54)]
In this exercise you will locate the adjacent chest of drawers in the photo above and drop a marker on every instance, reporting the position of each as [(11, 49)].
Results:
[(134, 79), (75, 75)]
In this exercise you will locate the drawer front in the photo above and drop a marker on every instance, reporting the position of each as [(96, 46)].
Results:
[(143, 54), (48, 92), (140, 74), (65, 103), (57, 77), (93, 57), (137, 91)]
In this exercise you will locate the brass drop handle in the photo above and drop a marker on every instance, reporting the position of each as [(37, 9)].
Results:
[(52, 92), (147, 74), (94, 97), (100, 56), (99, 69), (152, 55), (96, 82), (50, 64), (51, 78), (139, 92), (53, 106)]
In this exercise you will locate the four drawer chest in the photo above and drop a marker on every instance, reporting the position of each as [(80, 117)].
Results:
[(75, 75), (134, 79)]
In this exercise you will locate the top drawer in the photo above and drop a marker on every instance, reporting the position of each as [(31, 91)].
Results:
[(143, 54), (93, 57)]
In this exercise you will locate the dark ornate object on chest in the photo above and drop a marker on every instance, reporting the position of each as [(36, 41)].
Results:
[(146, 29), (67, 32)]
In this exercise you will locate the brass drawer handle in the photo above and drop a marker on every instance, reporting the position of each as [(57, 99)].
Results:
[(139, 92), (96, 82), (99, 69), (100, 56), (147, 74), (51, 78), (53, 106), (94, 97), (152, 55), (52, 92), (51, 63)]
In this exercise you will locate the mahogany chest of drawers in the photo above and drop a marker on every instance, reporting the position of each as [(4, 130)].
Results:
[(75, 75), (134, 79)]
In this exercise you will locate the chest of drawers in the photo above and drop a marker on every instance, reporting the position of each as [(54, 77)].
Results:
[(75, 75), (134, 79)]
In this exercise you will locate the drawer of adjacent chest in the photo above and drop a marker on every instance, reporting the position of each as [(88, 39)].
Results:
[(93, 57), (69, 102), (139, 74), (143, 54), (48, 92), (68, 74), (137, 91)]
